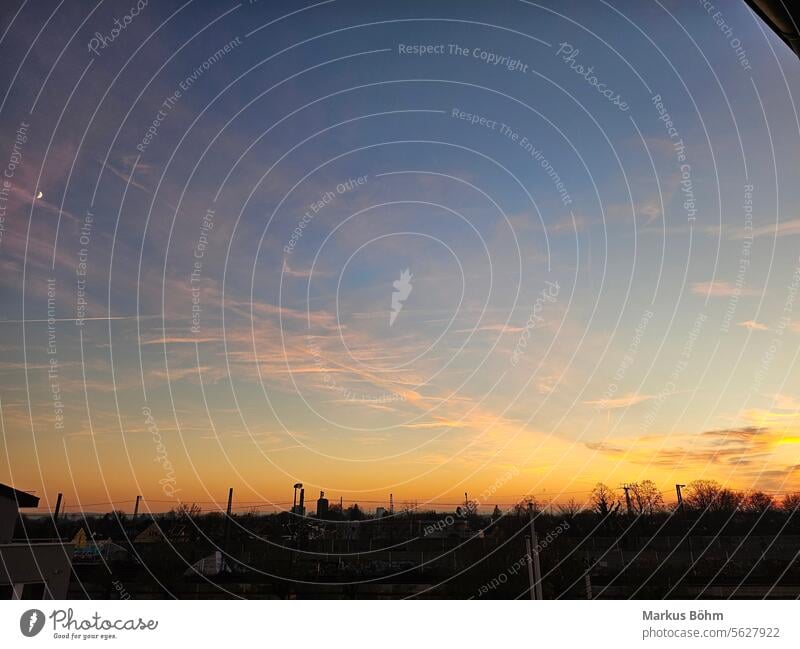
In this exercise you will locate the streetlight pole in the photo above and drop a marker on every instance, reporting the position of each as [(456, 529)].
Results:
[(533, 551)]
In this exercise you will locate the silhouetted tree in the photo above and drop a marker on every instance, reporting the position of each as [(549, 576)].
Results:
[(710, 496), (701, 494), (791, 503), (570, 509), (185, 510), (757, 502), (646, 497), (604, 499), (729, 501)]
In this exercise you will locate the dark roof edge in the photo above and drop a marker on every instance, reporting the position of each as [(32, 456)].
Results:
[(782, 17), (22, 498)]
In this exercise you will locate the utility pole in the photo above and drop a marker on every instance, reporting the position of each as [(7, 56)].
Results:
[(534, 550), (531, 578), (626, 488), (132, 526), (58, 507), (587, 577), (680, 496), (227, 528)]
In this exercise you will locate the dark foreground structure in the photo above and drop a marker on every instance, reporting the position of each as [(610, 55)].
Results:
[(30, 569), (722, 550)]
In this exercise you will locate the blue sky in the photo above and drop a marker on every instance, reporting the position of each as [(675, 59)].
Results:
[(290, 369)]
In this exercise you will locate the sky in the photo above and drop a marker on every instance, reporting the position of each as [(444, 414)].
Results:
[(418, 249)]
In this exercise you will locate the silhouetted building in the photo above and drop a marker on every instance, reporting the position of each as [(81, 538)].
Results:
[(30, 569), (322, 505)]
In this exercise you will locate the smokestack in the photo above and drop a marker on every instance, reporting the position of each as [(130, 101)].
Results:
[(301, 510)]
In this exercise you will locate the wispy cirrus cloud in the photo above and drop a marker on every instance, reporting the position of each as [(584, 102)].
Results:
[(752, 325), (786, 402), (781, 229), (620, 402), (720, 289)]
